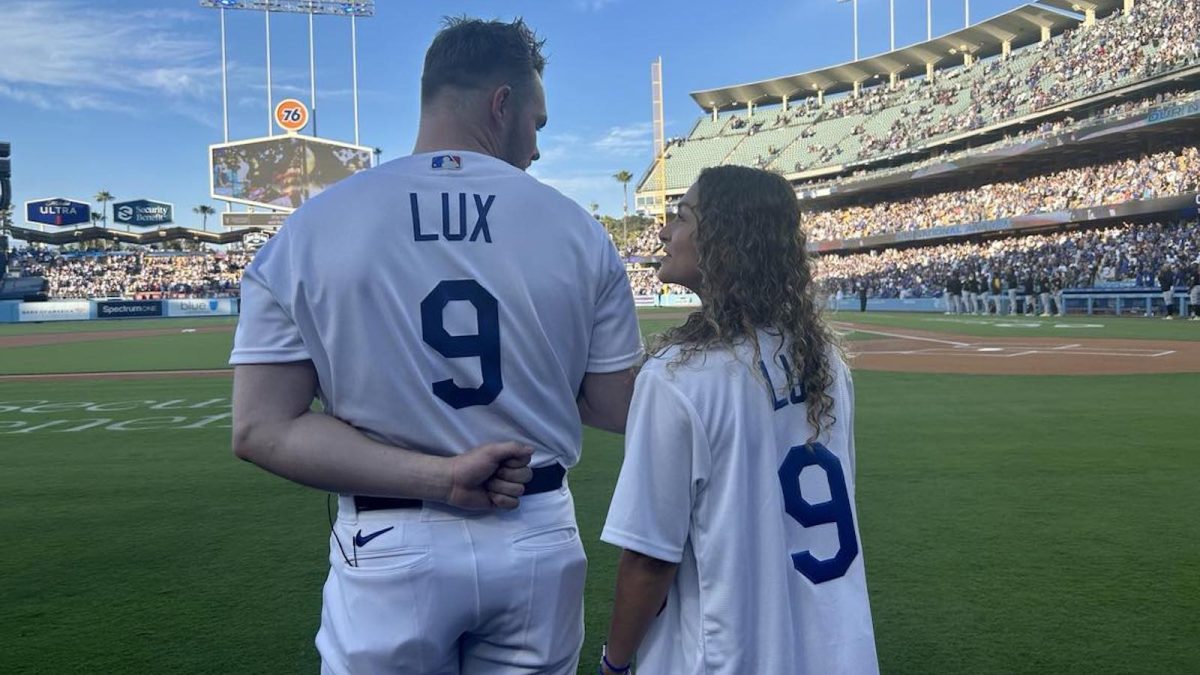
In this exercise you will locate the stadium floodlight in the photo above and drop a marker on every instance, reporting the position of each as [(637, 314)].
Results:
[(855, 4), (358, 8), (354, 9)]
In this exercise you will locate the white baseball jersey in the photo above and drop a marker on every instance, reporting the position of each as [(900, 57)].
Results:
[(446, 300), (718, 479)]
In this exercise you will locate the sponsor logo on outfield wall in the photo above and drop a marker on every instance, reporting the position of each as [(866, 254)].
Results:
[(124, 309), (66, 310), (201, 307)]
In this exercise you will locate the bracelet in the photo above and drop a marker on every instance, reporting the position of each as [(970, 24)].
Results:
[(609, 664)]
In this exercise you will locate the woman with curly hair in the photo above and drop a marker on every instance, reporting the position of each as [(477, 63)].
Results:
[(735, 503)]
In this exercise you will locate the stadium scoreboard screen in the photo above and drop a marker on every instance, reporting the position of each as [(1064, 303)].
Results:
[(281, 172)]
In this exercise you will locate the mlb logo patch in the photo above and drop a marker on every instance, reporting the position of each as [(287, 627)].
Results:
[(447, 162)]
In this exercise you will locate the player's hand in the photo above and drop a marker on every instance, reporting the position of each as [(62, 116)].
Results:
[(491, 475)]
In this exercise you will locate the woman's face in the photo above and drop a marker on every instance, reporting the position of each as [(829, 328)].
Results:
[(681, 264)]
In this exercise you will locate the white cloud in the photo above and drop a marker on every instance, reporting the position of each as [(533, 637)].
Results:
[(56, 52), (592, 5), (627, 141)]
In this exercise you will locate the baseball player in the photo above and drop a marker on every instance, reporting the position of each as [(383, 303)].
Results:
[(1012, 285), (735, 503), (441, 302), (1166, 283), (1194, 291)]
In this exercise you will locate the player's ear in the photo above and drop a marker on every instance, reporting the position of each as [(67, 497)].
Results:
[(500, 104)]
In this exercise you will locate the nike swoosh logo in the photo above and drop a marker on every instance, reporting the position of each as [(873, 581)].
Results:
[(361, 541)]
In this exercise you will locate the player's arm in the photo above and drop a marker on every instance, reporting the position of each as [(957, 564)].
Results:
[(642, 584), (604, 399), (275, 428)]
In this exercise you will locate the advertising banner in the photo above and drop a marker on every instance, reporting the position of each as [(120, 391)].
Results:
[(281, 172), (201, 307), (57, 211), (679, 300), (128, 309), (255, 240), (62, 310), (143, 213), (645, 300), (236, 220)]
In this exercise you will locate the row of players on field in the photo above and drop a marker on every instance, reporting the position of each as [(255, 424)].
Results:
[(1006, 294)]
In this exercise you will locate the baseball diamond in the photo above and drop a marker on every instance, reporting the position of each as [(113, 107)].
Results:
[(873, 348)]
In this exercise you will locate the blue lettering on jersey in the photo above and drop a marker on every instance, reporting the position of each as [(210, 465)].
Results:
[(416, 220), (796, 395), (481, 224), (462, 217), (479, 230)]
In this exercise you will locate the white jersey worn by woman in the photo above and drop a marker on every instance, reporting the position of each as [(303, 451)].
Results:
[(718, 478)]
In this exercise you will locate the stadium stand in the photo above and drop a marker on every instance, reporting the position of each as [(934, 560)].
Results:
[(1156, 175), (107, 274), (1155, 38), (1084, 259), (996, 168)]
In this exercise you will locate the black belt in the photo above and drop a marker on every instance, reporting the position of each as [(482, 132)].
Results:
[(545, 479)]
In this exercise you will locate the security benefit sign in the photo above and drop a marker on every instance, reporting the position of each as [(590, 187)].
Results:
[(57, 211), (143, 213)]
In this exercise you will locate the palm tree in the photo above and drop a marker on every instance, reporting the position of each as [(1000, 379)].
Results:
[(6, 220), (623, 177), (204, 210), (104, 197), (595, 208)]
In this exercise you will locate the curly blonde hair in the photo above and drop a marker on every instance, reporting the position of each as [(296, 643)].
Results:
[(756, 274)]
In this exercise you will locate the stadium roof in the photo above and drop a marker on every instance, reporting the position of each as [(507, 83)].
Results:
[(1022, 26), (158, 236)]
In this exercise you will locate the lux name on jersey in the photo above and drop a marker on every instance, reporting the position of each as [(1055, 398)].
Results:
[(454, 217)]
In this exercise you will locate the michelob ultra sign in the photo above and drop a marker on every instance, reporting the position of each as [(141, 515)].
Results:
[(57, 211)]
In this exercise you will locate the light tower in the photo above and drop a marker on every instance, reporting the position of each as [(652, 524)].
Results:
[(354, 10), (291, 115)]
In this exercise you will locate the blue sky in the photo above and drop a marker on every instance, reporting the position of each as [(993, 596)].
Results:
[(125, 95)]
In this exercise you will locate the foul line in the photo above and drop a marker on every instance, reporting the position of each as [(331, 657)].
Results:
[(903, 337), (117, 373)]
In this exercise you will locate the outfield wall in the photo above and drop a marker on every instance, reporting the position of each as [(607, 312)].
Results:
[(12, 311), (1079, 301)]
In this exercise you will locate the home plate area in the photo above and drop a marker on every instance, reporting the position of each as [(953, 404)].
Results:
[(918, 351)]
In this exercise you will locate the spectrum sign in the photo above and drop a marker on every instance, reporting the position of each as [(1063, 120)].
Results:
[(57, 211), (143, 212)]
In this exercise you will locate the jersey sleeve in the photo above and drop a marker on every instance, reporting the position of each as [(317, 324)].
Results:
[(664, 469), (616, 342), (266, 331)]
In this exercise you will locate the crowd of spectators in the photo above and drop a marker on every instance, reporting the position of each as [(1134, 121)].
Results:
[(1157, 36), (1044, 130), (1078, 259), (1147, 177), (645, 244), (644, 281), (110, 274)]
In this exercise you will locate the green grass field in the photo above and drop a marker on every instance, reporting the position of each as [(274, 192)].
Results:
[(1010, 524)]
